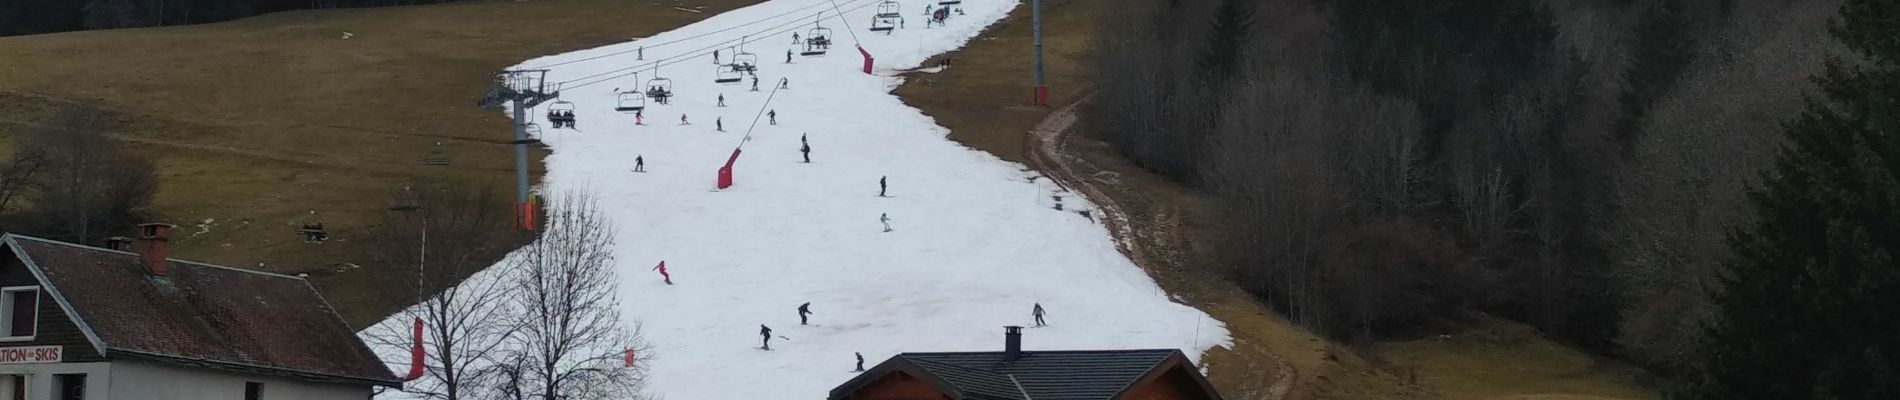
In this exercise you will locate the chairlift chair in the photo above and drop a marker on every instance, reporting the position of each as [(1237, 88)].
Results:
[(631, 101), (561, 114), (728, 76), (817, 40), (889, 9), (745, 62), (660, 89), (883, 24), (949, 2)]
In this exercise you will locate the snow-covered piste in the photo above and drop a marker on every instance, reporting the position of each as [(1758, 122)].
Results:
[(974, 241)]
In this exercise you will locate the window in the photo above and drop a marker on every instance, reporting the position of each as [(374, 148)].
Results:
[(19, 306), (71, 386), (16, 387), (253, 390)]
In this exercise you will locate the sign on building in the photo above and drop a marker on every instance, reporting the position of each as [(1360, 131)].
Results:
[(29, 354)]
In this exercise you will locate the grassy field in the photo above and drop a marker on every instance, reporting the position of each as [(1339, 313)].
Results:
[(984, 99), (261, 124)]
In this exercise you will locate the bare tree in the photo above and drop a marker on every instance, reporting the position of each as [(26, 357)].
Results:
[(451, 231), (83, 185), (571, 342)]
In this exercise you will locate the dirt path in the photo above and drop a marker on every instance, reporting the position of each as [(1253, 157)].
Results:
[(1154, 240)]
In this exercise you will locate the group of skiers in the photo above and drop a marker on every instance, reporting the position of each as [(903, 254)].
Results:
[(804, 311)]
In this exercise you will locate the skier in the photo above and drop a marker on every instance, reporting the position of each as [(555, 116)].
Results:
[(715, 57), (794, 39), (639, 117), (881, 186), (805, 147), (765, 332), (860, 362), (719, 124), (755, 83), (722, 99), (788, 55), (773, 116), (804, 310), (1037, 312), (641, 53), (784, 83), (683, 119), (663, 274), (639, 164), (900, 22), (886, 219)]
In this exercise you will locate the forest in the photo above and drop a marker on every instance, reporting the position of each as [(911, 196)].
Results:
[(27, 17), (1587, 167)]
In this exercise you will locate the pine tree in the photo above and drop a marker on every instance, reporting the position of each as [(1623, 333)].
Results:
[(1811, 307)]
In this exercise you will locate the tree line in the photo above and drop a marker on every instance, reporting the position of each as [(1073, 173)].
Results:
[(27, 17), (1592, 169)]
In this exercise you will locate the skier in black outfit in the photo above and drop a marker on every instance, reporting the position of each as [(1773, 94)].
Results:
[(805, 148), (722, 99), (881, 186), (755, 83), (719, 124), (639, 164), (788, 56), (803, 310), (773, 115), (860, 362), (765, 332), (1038, 313)]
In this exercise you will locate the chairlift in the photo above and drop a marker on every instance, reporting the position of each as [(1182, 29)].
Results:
[(561, 113), (631, 101), (660, 89), (888, 9), (817, 41), (883, 24), (744, 60), (949, 2), (728, 76)]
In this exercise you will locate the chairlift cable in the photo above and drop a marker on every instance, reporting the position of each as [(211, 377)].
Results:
[(640, 48), (847, 23), (622, 72), (691, 54)]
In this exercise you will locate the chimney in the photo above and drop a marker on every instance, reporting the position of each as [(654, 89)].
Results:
[(119, 243), (152, 238), (1012, 343)]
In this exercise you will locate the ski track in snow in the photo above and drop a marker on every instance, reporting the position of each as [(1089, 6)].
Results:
[(975, 243)]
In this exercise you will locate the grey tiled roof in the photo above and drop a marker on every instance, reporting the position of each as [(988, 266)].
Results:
[(1044, 375)]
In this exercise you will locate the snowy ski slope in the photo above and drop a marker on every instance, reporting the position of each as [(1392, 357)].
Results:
[(975, 242)]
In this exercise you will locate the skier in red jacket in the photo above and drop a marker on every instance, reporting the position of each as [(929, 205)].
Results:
[(663, 274)]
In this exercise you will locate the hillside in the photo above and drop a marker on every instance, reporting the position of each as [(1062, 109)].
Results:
[(262, 124), (972, 243)]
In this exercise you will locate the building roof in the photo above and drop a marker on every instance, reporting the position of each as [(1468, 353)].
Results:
[(1037, 375), (200, 314)]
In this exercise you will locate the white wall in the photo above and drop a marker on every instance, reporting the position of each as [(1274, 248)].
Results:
[(134, 380), (40, 385)]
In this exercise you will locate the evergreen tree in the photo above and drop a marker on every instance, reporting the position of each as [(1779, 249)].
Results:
[(1811, 308)]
